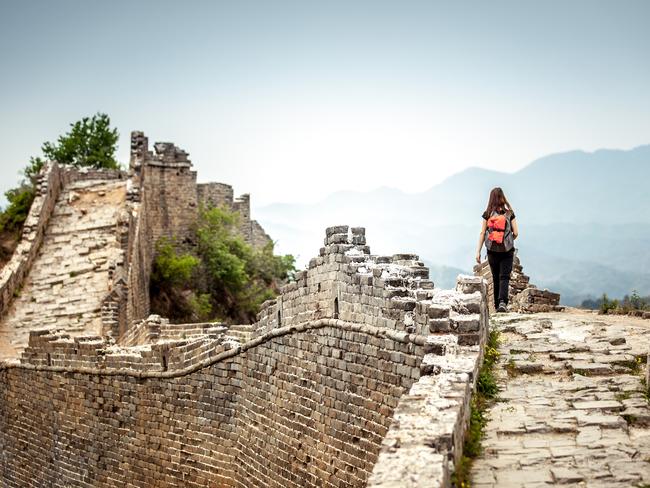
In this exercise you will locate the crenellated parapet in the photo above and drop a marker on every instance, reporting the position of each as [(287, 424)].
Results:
[(346, 281)]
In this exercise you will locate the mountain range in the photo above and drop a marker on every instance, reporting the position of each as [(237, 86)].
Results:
[(584, 221)]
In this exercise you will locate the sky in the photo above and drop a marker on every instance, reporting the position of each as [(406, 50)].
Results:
[(293, 100)]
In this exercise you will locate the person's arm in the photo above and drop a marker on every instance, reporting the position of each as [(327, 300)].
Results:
[(515, 228), (481, 239)]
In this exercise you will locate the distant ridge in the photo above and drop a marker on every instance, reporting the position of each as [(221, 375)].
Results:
[(584, 211)]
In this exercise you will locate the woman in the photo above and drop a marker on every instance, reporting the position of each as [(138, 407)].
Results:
[(498, 232)]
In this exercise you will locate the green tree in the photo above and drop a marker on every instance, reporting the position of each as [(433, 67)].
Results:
[(608, 305), (91, 142), (231, 281), (13, 217), (171, 269), (224, 253), (636, 301), (172, 276)]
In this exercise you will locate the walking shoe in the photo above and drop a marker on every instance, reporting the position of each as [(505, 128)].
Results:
[(502, 307)]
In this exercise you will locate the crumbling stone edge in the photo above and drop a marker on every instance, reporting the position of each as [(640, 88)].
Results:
[(425, 441), (48, 187)]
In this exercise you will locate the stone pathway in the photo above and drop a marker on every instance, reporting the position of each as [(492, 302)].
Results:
[(71, 273), (572, 410)]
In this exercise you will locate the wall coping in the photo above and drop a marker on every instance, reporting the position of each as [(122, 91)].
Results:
[(391, 334)]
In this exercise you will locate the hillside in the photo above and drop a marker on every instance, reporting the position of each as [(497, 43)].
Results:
[(578, 211)]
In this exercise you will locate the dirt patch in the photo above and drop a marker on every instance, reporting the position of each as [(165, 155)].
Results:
[(109, 195)]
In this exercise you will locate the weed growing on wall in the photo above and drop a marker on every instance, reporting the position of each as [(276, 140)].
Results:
[(486, 392)]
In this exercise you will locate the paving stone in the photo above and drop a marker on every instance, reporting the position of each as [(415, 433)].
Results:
[(565, 476), (580, 418), (583, 367), (598, 405), (604, 421), (528, 367), (523, 476)]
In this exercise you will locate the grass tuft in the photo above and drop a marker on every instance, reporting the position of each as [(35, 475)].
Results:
[(486, 392)]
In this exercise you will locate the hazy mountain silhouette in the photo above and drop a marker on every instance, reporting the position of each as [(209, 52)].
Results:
[(584, 220)]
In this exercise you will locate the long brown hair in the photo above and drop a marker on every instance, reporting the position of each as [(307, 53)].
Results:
[(498, 201)]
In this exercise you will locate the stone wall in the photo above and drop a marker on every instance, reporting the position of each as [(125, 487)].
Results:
[(139, 240), (169, 181), (361, 350), (170, 185), (522, 295), (49, 185), (259, 237), (296, 408), (425, 440), (222, 195), (216, 194)]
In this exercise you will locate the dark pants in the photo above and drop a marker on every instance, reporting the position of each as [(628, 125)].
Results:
[(501, 267)]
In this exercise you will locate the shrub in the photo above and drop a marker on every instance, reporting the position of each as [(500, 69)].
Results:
[(171, 280), (237, 276), (608, 304), (14, 216), (201, 306), (637, 302), (171, 269), (230, 278)]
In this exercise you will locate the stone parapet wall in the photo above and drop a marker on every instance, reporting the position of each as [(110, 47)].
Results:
[(522, 295), (73, 173), (307, 405), (259, 237), (154, 328), (242, 205), (215, 194), (425, 440), (49, 185), (170, 186), (345, 281), (138, 268), (134, 292)]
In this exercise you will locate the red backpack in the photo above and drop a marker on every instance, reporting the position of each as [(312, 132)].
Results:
[(498, 236)]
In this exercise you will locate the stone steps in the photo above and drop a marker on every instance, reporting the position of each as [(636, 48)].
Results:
[(71, 273)]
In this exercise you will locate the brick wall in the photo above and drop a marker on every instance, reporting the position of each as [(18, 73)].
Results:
[(170, 186), (305, 400), (302, 408), (215, 194), (259, 237)]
